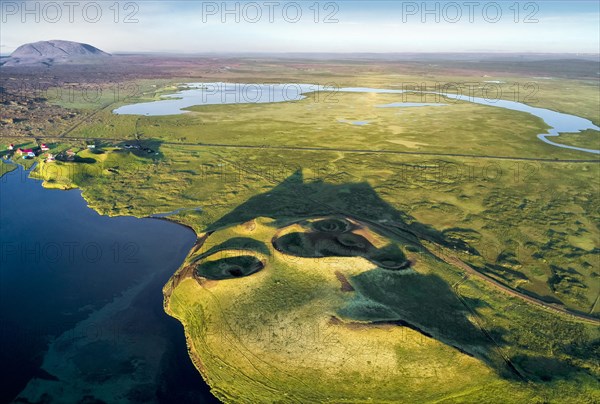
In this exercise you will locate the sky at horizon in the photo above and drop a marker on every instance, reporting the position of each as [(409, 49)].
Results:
[(389, 26)]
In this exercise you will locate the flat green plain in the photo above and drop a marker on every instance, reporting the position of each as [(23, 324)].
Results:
[(469, 181)]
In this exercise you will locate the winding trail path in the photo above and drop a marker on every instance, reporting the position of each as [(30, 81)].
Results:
[(470, 271)]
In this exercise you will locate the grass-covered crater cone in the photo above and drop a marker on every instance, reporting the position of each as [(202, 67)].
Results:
[(230, 267), (313, 245), (353, 241), (331, 225), (333, 237), (389, 260)]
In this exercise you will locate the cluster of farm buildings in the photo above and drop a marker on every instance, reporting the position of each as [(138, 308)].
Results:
[(29, 153)]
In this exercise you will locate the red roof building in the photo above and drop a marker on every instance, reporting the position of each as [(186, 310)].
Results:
[(24, 151)]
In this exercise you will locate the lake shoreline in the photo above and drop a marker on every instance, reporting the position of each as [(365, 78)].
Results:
[(185, 272), (245, 93), (116, 316)]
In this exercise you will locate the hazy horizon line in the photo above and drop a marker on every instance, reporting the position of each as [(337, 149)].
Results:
[(324, 53)]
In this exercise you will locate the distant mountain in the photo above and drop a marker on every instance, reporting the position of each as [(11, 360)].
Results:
[(50, 52)]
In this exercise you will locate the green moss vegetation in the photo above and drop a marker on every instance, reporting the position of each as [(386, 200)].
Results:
[(316, 277), (589, 139), (6, 168), (250, 335)]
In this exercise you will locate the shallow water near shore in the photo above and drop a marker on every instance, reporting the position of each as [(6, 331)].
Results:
[(81, 302)]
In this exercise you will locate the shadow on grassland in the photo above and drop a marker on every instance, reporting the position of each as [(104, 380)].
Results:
[(424, 302)]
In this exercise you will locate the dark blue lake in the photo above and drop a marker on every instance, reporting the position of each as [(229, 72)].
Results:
[(81, 315)]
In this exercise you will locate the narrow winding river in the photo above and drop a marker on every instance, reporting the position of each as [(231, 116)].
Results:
[(239, 93)]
